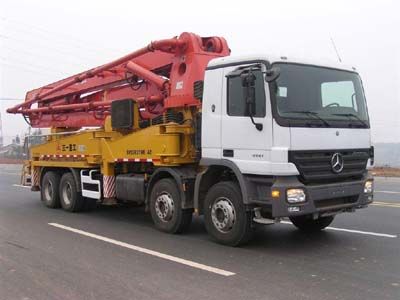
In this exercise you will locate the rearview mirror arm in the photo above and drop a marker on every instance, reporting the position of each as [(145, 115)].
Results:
[(258, 126)]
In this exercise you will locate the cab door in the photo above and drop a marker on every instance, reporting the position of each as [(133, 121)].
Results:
[(241, 142)]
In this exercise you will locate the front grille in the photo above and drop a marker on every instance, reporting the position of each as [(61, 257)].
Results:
[(315, 166)]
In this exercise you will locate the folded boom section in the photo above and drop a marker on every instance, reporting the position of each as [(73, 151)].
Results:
[(158, 77)]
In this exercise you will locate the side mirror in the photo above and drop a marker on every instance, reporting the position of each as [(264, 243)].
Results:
[(248, 83), (272, 74), (249, 90), (251, 100), (248, 78)]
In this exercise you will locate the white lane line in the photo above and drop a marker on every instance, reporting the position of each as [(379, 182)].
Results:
[(146, 251), (387, 192), (393, 236), (385, 204), (8, 173), (22, 186)]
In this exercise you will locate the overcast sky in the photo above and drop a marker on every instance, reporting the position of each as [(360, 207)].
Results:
[(43, 41)]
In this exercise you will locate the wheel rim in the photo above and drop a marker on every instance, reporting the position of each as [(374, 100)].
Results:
[(48, 191), (223, 215), (67, 193), (164, 207)]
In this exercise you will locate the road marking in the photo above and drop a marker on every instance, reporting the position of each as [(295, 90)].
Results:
[(386, 204), (146, 251), (387, 192), (354, 231), (8, 173), (22, 186)]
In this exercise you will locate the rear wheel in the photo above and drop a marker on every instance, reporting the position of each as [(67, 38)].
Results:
[(308, 224), (49, 189), (166, 207), (89, 204), (71, 200), (225, 215)]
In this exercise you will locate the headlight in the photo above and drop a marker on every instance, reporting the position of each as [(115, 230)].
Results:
[(295, 195), (369, 187)]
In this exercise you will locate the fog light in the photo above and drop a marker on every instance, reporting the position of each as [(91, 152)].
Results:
[(369, 187), (295, 195)]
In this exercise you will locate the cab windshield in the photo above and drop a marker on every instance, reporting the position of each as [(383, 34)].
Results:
[(315, 96)]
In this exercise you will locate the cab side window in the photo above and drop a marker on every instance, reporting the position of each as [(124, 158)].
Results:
[(237, 106)]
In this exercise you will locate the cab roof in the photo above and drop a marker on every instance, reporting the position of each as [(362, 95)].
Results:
[(234, 60)]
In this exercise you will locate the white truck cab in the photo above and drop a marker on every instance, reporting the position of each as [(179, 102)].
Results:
[(295, 133)]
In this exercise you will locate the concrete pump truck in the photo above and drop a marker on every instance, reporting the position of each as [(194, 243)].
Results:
[(184, 128)]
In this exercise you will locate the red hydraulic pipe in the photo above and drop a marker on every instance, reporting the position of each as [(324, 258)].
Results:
[(147, 75), (82, 105)]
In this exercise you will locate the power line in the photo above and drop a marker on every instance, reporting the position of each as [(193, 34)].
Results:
[(62, 43), (46, 56), (80, 46), (10, 99), (54, 49), (43, 74), (22, 62), (57, 34)]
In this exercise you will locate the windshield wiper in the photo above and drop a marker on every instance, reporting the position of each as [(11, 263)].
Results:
[(311, 113), (354, 116)]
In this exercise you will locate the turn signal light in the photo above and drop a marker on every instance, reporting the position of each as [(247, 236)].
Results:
[(275, 194)]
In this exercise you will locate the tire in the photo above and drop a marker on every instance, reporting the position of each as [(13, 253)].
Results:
[(166, 207), (225, 215), (71, 200), (49, 189), (89, 204), (306, 223)]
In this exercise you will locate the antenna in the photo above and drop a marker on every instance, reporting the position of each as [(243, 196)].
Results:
[(336, 50)]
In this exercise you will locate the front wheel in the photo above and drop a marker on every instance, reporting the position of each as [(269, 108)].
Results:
[(166, 207), (308, 224), (225, 215)]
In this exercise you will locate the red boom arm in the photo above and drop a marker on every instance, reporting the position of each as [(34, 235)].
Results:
[(158, 76)]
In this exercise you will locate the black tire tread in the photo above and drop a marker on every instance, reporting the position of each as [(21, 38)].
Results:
[(246, 231), (55, 177), (78, 201), (184, 217), (89, 204), (186, 221), (308, 224)]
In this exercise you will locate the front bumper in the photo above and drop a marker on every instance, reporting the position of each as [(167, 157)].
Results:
[(321, 199)]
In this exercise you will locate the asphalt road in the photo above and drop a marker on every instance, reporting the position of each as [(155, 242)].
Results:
[(115, 253)]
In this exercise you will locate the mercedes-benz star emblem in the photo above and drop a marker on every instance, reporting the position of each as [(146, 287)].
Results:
[(337, 162)]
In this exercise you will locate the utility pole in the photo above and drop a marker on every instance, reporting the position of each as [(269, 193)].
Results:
[(1, 132)]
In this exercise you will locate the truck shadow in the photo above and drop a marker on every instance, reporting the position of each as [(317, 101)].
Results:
[(273, 238), (286, 236), (136, 215), (280, 237)]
